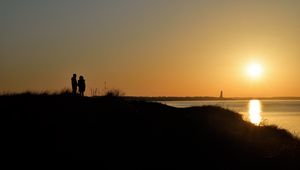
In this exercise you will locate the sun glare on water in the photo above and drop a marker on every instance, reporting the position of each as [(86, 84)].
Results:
[(254, 111)]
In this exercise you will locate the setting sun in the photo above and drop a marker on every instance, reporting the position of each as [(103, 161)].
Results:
[(254, 70)]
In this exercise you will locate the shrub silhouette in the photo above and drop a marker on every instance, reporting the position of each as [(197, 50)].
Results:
[(114, 93)]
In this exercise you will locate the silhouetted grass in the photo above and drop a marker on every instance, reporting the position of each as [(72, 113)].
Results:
[(63, 92), (128, 132)]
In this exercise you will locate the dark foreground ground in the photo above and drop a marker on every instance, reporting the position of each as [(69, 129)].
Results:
[(118, 132)]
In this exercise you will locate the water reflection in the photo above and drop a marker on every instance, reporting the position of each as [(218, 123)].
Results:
[(254, 110)]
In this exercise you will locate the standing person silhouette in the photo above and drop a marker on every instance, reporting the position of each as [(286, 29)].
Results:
[(74, 84), (81, 85)]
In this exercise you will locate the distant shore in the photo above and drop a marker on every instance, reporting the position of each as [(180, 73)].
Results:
[(169, 98)]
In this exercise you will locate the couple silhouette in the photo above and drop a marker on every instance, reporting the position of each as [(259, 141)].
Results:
[(80, 84)]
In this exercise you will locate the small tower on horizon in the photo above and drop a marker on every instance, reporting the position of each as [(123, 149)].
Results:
[(221, 94)]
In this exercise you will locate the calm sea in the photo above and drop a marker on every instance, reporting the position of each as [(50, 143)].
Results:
[(283, 113)]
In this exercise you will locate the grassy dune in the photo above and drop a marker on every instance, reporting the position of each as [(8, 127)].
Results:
[(121, 132)]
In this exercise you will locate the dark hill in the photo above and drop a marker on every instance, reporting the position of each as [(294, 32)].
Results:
[(121, 132)]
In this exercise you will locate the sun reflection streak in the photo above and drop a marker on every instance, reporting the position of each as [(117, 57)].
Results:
[(254, 111)]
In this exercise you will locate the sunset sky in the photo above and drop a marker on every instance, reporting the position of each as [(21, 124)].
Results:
[(152, 48)]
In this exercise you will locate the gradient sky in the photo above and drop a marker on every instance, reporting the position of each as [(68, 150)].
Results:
[(151, 48)]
